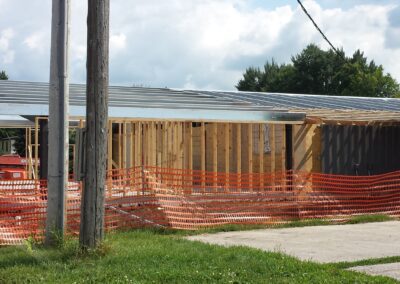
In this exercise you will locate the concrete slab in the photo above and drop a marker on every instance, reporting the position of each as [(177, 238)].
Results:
[(320, 243), (389, 269)]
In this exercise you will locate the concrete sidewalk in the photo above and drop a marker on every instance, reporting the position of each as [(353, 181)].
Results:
[(319, 243), (389, 269)]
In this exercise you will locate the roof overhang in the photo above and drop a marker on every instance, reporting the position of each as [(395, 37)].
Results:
[(14, 121), (177, 114)]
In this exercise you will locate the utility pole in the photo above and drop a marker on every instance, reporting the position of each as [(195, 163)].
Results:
[(58, 121), (92, 212)]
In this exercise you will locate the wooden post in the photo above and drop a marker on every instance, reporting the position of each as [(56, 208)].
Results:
[(124, 146), (250, 156), (174, 148), (29, 153), (283, 157), (149, 143), (227, 131), (214, 138), (154, 141), (189, 141), (181, 156), (170, 145), (173, 145), (26, 152), (159, 144), (164, 154), (176, 145), (239, 154), (146, 145), (131, 145), (92, 213), (130, 156), (181, 139), (119, 146), (261, 157), (58, 123), (203, 153), (273, 153), (138, 146)]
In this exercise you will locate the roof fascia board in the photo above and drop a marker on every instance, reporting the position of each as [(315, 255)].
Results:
[(165, 114)]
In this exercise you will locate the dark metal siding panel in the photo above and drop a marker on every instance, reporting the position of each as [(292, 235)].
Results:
[(43, 148), (360, 149), (289, 146)]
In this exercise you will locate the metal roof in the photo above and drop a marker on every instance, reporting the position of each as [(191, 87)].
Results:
[(31, 98), (302, 101), (37, 93), (325, 109)]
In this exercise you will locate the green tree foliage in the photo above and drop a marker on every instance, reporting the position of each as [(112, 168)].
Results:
[(3, 75), (18, 134), (315, 71)]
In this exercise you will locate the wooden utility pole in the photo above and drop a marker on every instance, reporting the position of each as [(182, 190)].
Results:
[(92, 213), (58, 122)]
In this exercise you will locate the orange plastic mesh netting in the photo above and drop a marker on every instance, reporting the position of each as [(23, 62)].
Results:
[(183, 199)]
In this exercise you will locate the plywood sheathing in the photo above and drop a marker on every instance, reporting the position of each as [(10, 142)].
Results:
[(307, 148)]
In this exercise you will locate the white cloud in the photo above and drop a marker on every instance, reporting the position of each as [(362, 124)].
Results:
[(117, 42), (5, 37), (7, 54), (36, 41), (198, 43)]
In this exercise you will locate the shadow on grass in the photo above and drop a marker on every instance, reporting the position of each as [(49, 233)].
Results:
[(36, 253)]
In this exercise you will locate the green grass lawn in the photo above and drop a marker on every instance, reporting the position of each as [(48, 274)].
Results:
[(146, 256)]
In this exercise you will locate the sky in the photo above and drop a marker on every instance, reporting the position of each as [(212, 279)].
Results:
[(197, 44)]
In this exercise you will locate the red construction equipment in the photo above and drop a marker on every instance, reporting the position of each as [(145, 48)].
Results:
[(12, 167)]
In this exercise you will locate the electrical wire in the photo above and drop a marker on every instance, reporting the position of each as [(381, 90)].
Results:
[(316, 26)]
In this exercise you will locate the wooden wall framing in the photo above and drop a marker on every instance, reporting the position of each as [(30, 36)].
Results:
[(201, 146), (204, 146)]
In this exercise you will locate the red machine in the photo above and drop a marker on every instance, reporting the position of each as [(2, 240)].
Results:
[(12, 167)]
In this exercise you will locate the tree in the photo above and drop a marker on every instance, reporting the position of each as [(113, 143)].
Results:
[(19, 135), (315, 71), (3, 75)]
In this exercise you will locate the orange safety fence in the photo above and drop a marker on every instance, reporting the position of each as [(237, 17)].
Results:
[(184, 199)]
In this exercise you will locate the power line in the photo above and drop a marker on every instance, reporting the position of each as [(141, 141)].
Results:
[(316, 26)]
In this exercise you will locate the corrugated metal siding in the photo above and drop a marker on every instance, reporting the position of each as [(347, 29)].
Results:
[(363, 149)]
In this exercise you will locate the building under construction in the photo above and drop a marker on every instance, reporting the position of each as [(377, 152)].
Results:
[(195, 142)]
